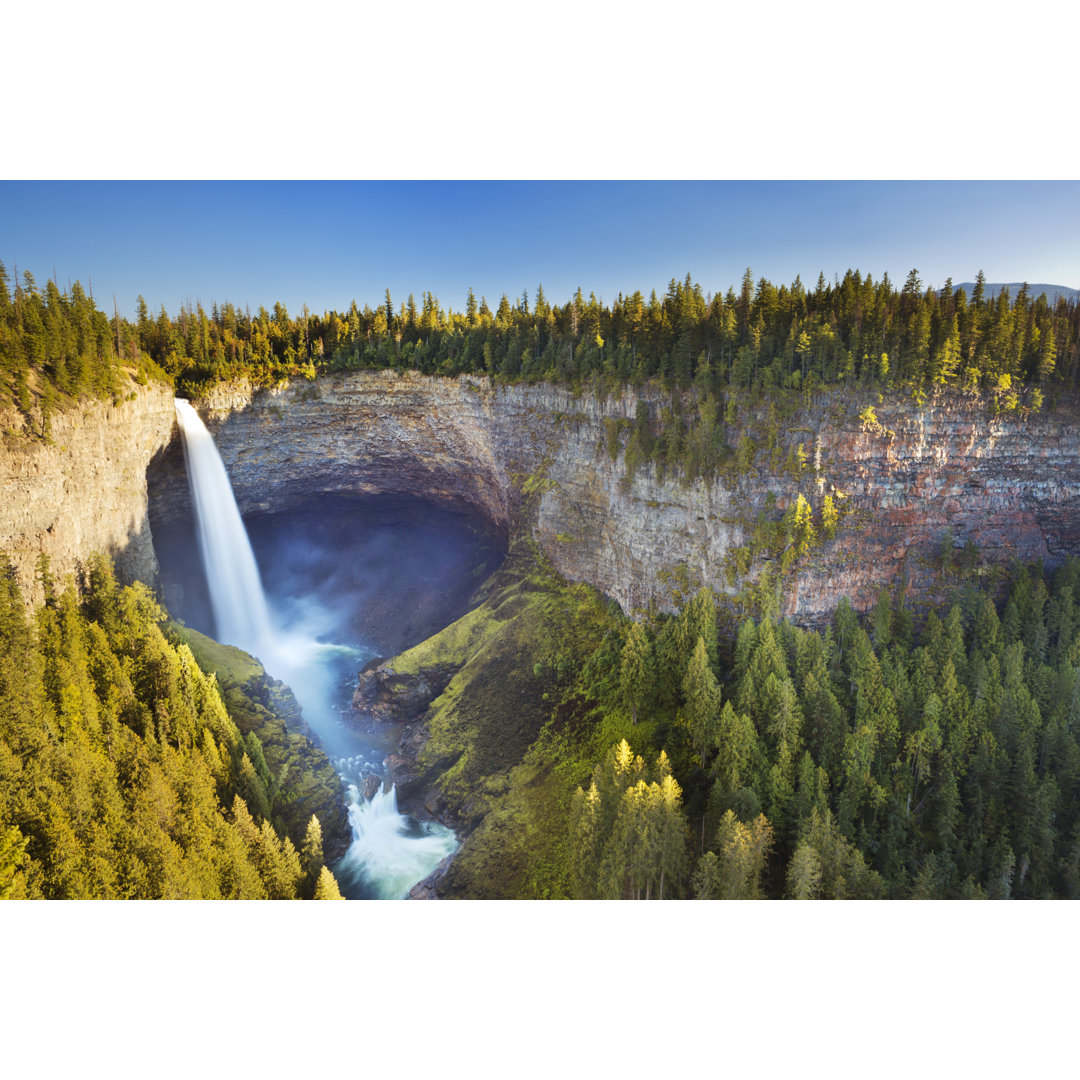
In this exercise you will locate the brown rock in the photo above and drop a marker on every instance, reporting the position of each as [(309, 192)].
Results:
[(1009, 484), (84, 491), (383, 694)]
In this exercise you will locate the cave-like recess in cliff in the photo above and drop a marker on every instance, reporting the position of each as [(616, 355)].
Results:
[(383, 571)]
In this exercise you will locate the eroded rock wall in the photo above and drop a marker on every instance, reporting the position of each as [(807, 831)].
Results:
[(537, 457), (84, 490)]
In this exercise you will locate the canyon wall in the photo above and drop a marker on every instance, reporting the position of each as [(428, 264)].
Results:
[(536, 459), (84, 489)]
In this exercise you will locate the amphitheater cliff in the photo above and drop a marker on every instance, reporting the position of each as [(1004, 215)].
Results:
[(552, 462)]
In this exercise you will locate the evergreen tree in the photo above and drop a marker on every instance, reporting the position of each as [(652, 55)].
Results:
[(636, 670), (311, 854), (326, 888), (702, 696)]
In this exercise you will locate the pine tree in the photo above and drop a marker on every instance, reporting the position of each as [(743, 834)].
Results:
[(12, 848), (700, 619), (737, 750), (702, 695), (668, 825), (799, 522), (587, 840), (741, 853), (326, 888), (804, 873), (311, 854), (636, 670)]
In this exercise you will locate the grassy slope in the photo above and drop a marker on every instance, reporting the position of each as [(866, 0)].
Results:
[(514, 733)]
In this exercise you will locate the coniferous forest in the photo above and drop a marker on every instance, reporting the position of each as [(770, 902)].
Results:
[(122, 774), (879, 758), (56, 344), (720, 752)]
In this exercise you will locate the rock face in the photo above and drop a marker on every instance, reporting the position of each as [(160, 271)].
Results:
[(936, 477), (537, 457), (85, 490)]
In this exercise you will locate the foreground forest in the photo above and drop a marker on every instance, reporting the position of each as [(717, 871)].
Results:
[(122, 774), (877, 759)]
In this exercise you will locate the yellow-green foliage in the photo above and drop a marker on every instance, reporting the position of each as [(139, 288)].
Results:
[(118, 758), (799, 525), (121, 773), (300, 776), (628, 830)]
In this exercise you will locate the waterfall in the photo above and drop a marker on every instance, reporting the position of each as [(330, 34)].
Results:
[(236, 593), (390, 852)]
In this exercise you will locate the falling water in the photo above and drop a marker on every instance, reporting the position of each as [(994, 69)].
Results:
[(236, 592), (389, 852)]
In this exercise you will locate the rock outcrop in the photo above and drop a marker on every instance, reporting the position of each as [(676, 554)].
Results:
[(537, 458), (84, 490), (385, 695)]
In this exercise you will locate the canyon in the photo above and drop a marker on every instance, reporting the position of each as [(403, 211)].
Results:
[(921, 486), (537, 460)]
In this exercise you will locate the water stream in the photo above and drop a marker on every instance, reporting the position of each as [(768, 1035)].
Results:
[(390, 851)]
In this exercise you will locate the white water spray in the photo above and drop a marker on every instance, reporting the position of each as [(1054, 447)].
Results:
[(241, 613), (236, 592), (383, 853), (389, 852)]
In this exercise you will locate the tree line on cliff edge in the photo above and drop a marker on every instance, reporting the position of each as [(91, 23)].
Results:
[(872, 760), (55, 345)]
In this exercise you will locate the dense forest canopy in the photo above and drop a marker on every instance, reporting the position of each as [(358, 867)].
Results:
[(849, 330), (122, 773), (876, 759)]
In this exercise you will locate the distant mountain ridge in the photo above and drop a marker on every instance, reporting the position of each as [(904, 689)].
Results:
[(1034, 290)]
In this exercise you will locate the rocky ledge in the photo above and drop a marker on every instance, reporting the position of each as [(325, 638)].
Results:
[(83, 490)]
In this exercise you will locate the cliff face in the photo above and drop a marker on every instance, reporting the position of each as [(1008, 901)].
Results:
[(85, 490), (538, 458), (1009, 486)]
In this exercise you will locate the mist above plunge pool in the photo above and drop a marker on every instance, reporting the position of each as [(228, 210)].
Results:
[(384, 571)]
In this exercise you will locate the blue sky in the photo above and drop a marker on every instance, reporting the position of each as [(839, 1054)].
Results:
[(325, 243)]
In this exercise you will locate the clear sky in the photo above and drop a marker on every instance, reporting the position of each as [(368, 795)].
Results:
[(326, 243)]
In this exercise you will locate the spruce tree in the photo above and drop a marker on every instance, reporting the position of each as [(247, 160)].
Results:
[(702, 696), (636, 671), (326, 888)]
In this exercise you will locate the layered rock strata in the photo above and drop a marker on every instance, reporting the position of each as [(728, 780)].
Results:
[(84, 489), (538, 458)]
